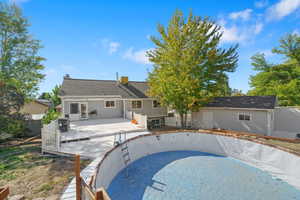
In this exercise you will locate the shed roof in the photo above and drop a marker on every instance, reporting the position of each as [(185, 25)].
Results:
[(258, 102)]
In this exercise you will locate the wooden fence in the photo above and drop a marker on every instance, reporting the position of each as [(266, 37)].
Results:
[(4, 192), (84, 191), (50, 137)]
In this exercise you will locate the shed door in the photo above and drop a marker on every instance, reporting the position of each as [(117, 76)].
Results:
[(207, 120)]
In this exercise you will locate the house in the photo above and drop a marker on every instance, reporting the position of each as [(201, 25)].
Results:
[(253, 114), (36, 109), (93, 99)]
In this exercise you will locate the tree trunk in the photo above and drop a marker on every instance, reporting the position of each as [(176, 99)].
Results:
[(183, 118)]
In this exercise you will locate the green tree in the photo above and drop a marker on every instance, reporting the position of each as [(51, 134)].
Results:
[(20, 68), (11, 100), (282, 79), (52, 114), (19, 57), (189, 66), (237, 92), (52, 96)]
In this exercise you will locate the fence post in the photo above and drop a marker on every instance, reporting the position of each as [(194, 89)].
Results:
[(4, 192), (101, 195), (78, 178), (98, 195)]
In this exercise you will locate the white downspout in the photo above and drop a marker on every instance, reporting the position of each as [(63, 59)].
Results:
[(124, 114), (269, 119)]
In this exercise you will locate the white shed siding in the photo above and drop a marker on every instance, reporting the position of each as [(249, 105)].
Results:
[(287, 122), (228, 119)]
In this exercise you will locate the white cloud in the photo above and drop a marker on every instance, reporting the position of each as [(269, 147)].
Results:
[(267, 53), (282, 9), (261, 4), (231, 34), (138, 56), (241, 34), (113, 47), (107, 44), (258, 28), (50, 72), (244, 14), (296, 32)]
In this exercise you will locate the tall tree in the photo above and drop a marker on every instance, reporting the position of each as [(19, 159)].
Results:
[(19, 59), (52, 96), (20, 68), (189, 65), (282, 79)]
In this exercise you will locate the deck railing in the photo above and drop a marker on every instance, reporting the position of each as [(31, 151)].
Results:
[(50, 137), (4, 192), (84, 190)]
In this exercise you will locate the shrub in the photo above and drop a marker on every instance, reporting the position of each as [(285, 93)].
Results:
[(14, 126), (51, 115)]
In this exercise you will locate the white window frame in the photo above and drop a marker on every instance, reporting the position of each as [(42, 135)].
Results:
[(78, 103), (153, 104), (244, 113), (137, 108), (110, 100)]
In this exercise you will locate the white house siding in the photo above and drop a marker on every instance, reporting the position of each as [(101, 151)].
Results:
[(228, 119), (147, 109), (287, 122), (97, 105)]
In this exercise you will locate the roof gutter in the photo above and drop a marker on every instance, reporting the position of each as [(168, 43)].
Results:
[(231, 108)]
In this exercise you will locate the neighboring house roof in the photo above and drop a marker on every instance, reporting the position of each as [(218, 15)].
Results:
[(44, 102), (258, 102), (85, 87)]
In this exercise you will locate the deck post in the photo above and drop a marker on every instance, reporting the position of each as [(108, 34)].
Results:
[(4, 192), (78, 178), (101, 195)]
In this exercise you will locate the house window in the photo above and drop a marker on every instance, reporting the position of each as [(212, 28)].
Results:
[(244, 116), (74, 108), (110, 104), (136, 104), (155, 104)]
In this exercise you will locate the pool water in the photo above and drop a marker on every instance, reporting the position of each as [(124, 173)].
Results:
[(190, 175)]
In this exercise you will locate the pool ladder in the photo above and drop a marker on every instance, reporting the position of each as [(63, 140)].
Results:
[(124, 149)]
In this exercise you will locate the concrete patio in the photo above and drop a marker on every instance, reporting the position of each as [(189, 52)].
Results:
[(94, 128), (94, 147)]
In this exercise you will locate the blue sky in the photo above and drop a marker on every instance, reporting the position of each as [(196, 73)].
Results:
[(95, 39)]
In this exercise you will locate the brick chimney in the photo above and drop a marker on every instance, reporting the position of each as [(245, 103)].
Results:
[(67, 76), (124, 79)]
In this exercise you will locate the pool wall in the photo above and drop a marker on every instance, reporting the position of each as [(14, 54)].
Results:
[(278, 163)]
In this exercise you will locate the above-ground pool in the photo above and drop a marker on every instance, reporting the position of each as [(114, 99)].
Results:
[(195, 175), (172, 165)]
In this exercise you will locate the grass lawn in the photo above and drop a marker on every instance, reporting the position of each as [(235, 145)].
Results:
[(33, 175)]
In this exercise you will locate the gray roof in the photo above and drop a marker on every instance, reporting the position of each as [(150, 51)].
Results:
[(86, 87), (45, 102), (258, 102)]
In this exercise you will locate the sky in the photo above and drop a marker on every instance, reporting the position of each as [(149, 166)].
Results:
[(95, 39)]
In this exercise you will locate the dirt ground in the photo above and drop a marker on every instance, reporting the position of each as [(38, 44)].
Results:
[(29, 173)]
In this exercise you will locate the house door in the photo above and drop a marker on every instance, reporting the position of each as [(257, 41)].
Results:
[(207, 120), (83, 111)]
